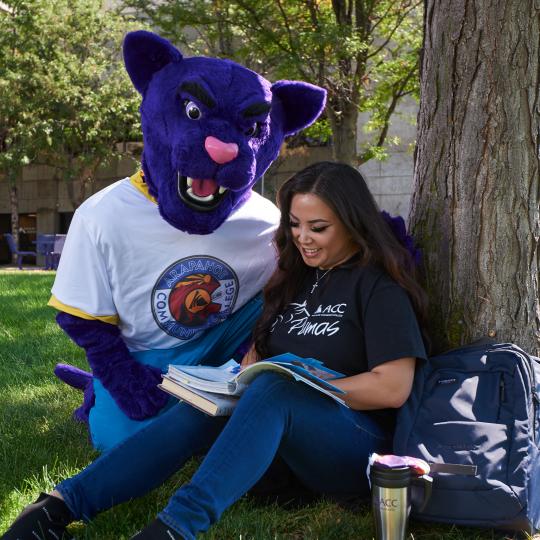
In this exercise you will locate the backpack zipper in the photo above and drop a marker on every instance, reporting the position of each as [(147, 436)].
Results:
[(502, 393), (526, 360)]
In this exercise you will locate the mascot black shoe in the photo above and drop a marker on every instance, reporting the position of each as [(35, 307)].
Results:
[(45, 519)]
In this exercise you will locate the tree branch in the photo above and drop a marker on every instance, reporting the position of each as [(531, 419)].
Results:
[(396, 96), (399, 20), (321, 56), (262, 28)]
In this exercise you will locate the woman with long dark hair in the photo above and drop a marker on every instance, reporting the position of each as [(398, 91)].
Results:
[(344, 191), (344, 292)]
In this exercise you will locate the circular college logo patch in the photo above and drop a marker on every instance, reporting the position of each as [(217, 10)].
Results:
[(192, 295)]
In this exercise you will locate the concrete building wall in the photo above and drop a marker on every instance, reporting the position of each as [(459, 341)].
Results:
[(391, 180), (284, 167), (41, 194), (45, 204)]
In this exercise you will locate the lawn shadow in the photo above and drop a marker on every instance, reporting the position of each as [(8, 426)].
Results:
[(40, 440)]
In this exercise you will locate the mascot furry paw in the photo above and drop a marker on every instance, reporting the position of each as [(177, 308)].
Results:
[(166, 266)]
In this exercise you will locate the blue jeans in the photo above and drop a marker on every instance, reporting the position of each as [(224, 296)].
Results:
[(325, 444)]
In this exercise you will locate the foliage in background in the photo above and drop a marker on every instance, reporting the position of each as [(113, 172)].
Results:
[(65, 99), (364, 52), (95, 106), (23, 123)]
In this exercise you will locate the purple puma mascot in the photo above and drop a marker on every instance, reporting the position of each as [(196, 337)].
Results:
[(166, 266)]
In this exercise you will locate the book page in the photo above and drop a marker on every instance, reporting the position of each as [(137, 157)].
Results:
[(223, 373), (293, 370)]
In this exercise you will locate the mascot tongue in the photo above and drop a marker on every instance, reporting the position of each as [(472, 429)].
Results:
[(203, 188)]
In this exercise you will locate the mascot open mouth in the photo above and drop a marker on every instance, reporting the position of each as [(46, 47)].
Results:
[(199, 194)]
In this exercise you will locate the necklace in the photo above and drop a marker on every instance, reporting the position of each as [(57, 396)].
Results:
[(317, 279)]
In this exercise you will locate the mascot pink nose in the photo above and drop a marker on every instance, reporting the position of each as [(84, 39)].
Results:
[(220, 151)]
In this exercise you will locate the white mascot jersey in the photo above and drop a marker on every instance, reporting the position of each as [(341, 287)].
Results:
[(124, 264)]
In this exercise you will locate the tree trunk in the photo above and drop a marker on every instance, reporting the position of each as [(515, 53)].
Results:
[(81, 177), (14, 204), (343, 117), (475, 211)]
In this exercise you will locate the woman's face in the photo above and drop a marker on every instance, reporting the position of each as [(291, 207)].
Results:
[(318, 233)]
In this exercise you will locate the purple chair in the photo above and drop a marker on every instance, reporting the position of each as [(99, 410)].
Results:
[(15, 251), (59, 240), (45, 247)]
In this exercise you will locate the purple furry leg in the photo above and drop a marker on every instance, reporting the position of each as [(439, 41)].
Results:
[(75, 377), (83, 412), (81, 380)]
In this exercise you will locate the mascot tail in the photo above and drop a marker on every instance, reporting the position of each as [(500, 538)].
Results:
[(81, 380), (397, 224)]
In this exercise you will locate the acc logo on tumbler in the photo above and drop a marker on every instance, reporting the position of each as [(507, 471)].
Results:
[(388, 504), (193, 294)]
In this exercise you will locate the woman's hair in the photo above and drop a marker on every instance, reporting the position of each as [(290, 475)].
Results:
[(344, 190)]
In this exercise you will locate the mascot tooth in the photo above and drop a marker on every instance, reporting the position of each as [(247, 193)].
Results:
[(167, 266)]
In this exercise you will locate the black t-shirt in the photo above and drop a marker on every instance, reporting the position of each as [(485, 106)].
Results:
[(355, 319)]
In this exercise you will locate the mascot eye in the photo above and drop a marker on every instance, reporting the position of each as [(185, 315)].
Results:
[(254, 130), (192, 111)]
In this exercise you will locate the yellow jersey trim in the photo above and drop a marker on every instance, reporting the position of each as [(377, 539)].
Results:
[(55, 303), (138, 181)]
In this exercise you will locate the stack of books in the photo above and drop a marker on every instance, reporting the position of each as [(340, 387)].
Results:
[(215, 390)]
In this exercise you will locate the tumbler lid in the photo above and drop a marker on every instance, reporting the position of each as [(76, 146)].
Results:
[(419, 466), (397, 477)]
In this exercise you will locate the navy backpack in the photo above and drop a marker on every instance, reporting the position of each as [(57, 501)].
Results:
[(473, 414)]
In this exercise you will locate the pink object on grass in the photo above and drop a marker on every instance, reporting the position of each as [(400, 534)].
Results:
[(391, 461)]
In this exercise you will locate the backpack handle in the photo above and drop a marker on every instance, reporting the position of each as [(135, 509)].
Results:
[(453, 468)]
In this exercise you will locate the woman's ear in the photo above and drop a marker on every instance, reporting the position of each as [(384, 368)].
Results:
[(302, 104)]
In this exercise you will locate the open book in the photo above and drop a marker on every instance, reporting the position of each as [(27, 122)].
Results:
[(215, 390)]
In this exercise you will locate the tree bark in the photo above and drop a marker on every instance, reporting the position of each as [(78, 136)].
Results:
[(14, 204), (343, 116), (475, 210), (82, 178)]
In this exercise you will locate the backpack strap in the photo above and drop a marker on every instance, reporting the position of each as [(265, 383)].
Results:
[(453, 468)]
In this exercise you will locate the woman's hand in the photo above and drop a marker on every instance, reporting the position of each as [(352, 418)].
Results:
[(249, 358)]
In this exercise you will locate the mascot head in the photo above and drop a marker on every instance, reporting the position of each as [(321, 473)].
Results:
[(211, 128)]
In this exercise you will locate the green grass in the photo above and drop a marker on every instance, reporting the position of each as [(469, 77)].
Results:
[(40, 444)]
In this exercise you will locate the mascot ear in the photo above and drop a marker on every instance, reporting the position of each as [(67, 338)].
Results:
[(146, 53), (302, 104)]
